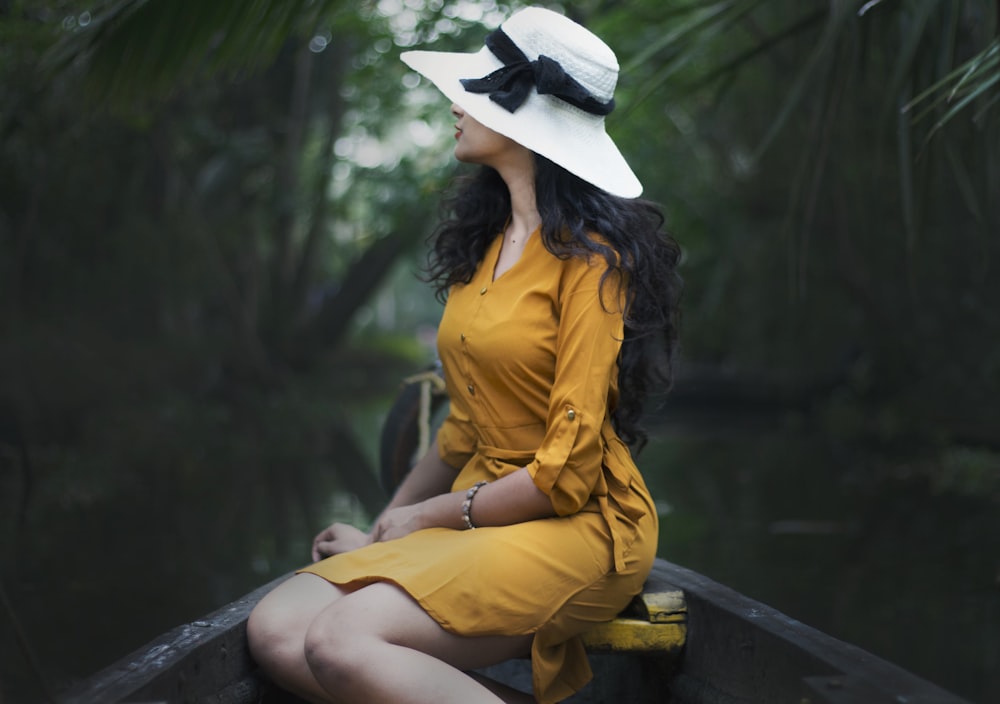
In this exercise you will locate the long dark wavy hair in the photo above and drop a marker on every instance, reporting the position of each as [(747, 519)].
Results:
[(630, 236)]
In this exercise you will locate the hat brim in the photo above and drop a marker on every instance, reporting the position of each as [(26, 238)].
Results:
[(563, 133)]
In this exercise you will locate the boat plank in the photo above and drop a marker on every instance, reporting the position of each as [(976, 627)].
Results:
[(205, 661), (740, 650), (735, 651)]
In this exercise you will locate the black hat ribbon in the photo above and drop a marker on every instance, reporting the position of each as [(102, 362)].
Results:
[(510, 85)]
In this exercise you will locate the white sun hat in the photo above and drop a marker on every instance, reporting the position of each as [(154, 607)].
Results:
[(545, 82)]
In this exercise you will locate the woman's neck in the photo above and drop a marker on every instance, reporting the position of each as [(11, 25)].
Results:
[(524, 216)]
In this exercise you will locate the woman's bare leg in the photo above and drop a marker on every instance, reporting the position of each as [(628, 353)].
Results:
[(276, 631), (378, 644)]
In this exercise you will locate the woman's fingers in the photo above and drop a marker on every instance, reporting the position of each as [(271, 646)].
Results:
[(336, 539)]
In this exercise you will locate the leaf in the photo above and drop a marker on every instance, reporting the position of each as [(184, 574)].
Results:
[(703, 19), (971, 80), (980, 89), (687, 43), (803, 81), (913, 29), (137, 49)]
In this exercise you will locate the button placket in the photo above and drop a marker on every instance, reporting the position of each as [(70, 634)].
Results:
[(470, 387), (469, 364)]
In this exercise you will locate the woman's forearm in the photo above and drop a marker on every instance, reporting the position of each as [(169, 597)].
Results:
[(511, 499)]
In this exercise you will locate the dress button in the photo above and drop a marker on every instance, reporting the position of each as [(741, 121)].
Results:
[(463, 337), (571, 414), (482, 291), (472, 389)]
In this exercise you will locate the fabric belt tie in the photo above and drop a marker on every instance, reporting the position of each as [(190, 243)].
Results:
[(617, 546), (503, 454), (510, 85)]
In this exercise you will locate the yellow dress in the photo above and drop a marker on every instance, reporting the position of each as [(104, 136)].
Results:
[(530, 364)]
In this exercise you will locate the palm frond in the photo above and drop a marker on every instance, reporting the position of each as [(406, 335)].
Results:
[(765, 45), (143, 48), (976, 79), (818, 62), (683, 44), (704, 20), (912, 42)]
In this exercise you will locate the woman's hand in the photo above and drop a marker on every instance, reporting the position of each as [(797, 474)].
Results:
[(337, 539), (398, 522)]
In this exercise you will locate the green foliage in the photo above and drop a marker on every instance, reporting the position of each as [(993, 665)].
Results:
[(211, 213), (833, 238), (975, 81), (140, 49), (171, 393)]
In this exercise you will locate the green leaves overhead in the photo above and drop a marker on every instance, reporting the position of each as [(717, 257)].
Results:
[(697, 45), (978, 79), (131, 50), (135, 49)]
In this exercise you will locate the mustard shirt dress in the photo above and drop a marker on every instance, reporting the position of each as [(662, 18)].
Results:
[(530, 364)]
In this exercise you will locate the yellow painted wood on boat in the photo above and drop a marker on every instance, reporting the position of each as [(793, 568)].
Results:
[(632, 635), (655, 621), (665, 607)]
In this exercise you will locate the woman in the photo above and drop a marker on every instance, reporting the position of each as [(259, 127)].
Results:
[(527, 521)]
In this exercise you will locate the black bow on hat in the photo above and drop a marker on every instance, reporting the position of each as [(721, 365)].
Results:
[(510, 85)]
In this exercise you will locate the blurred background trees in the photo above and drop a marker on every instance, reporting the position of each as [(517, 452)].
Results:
[(211, 215)]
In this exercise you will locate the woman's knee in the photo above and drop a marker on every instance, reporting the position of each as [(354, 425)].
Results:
[(269, 637), (348, 635), (277, 625), (345, 638), (334, 647)]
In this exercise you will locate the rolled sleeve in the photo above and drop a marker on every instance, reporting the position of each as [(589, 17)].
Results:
[(568, 464)]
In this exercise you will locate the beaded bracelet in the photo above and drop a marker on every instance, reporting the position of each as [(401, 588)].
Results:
[(467, 504)]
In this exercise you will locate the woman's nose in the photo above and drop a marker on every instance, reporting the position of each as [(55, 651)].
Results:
[(456, 111)]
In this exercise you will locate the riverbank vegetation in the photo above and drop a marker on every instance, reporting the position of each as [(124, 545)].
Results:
[(211, 220)]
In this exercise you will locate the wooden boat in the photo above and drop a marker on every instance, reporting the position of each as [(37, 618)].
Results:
[(687, 640)]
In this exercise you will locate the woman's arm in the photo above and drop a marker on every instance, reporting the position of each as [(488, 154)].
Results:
[(430, 477), (513, 498)]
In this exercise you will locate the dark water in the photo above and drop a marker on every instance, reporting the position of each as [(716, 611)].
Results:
[(872, 552)]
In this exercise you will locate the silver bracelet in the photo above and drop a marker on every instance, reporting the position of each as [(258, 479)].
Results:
[(467, 504)]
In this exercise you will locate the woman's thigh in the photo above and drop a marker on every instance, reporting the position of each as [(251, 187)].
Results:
[(284, 615), (384, 612)]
